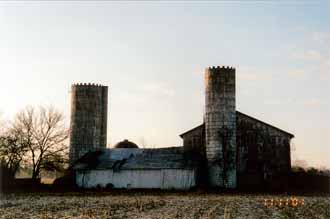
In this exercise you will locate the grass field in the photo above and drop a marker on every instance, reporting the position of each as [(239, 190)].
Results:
[(161, 205)]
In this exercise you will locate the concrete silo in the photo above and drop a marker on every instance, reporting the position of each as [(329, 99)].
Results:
[(88, 126)]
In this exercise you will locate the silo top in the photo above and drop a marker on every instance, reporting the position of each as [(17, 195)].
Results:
[(87, 85)]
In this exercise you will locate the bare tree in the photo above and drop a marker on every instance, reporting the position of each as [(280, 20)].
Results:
[(2, 124), (143, 142), (11, 155), (43, 132)]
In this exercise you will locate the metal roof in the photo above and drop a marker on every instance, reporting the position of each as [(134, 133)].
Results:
[(134, 158)]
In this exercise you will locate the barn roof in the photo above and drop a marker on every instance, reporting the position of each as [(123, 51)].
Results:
[(267, 124), (202, 126), (134, 158)]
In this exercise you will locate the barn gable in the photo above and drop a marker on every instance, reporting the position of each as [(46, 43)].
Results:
[(240, 116)]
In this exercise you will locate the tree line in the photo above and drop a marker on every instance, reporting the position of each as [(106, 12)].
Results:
[(37, 138)]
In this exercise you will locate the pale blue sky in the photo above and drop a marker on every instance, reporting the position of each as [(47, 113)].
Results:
[(152, 56)]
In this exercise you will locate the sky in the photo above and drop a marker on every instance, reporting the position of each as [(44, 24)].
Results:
[(152, 55)]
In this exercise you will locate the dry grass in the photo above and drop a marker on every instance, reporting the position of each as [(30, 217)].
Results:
[(161, 205)]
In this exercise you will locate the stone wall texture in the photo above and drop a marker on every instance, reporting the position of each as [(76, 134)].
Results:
[(220, 126), (88, 127)]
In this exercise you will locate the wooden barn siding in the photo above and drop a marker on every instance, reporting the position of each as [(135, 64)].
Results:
[(182, 179), (194, 141), (262, 148)]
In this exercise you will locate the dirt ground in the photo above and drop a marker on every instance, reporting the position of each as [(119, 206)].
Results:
[(161, 205)]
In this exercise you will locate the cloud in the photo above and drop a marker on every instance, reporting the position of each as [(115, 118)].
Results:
[(296, 73), (325, 66), (158, 88), (321, 37), (315, 54), (288, 101), (144, 93), (327, 62), (247, 73), (312, 102), (311, 55), (316, 47), (291, 101)]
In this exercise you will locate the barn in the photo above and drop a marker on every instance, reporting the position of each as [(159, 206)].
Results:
[(229, 150), (263, 150), (132, 168)]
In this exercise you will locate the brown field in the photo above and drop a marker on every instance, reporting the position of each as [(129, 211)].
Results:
[(160, 205)]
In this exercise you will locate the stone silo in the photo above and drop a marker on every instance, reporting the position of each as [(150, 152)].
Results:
[(88, 126), (220, 126)]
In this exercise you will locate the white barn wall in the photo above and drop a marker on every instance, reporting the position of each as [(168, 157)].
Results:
[(182, 179), (178, 179)]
